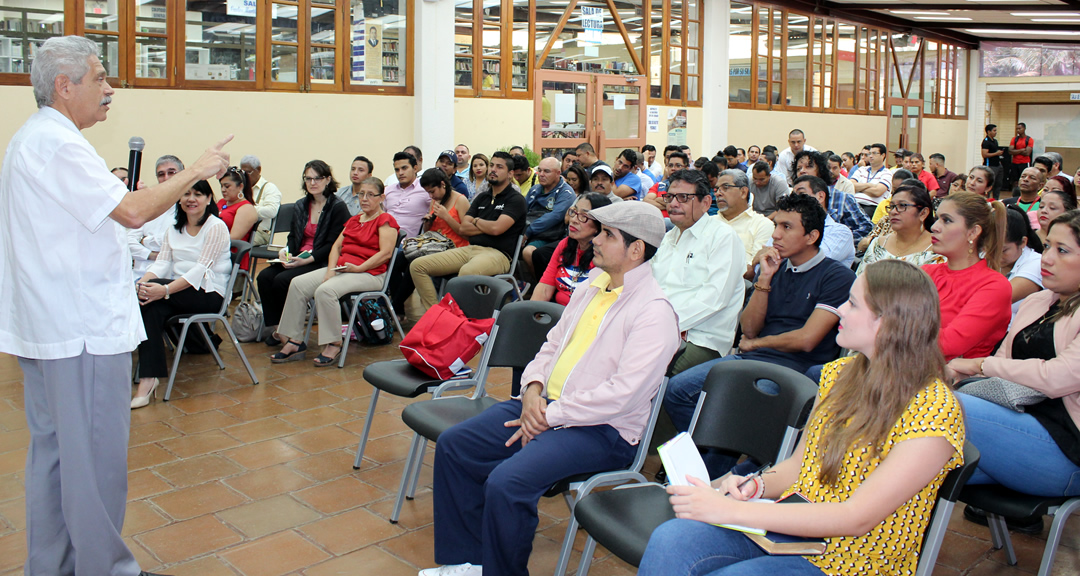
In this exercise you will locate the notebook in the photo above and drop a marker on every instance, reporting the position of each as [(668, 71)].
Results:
[(778, 544)]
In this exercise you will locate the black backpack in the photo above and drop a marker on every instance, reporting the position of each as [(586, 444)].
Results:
[(366, 315)]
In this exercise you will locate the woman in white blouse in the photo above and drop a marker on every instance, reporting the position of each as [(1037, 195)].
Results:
[(1021, 256), (189, 276)]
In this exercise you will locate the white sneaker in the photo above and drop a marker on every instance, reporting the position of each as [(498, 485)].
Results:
[(453, 570)]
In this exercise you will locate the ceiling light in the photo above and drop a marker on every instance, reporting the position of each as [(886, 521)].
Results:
[(948, 18), (920, 12), (1044, 14), (1040, 32), (1055, 19)]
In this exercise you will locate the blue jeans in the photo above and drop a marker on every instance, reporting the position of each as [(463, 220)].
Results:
[(1017, 452), (683, 547)]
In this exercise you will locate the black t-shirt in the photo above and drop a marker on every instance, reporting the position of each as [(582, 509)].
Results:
[(488, 207), (990, 145)]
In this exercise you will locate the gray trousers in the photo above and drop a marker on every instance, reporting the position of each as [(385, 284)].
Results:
[(78, 413)]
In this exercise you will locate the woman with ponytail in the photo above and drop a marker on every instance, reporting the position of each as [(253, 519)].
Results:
[(976, 298), (884, 432)]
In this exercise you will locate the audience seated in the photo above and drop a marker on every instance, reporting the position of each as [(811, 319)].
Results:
[(1058, 197), (884, 433), (924, 176), (447, 162), (981, 181), (264, 195), (649, 162), (602, 181), (584, 405), (837, 242), (569, 158), (144, 242), (842, 207), (571, 258), (447, 206), (836, 168), (882, 209), (317, 221), (189, 276), (910, 216), (646, 177), (546, 203), (463, 164), (577, 178), (943, 175), (1036, 451), (627, 183), (753, 229), (478, 170), (873, 183), (766, 188), (413, 151), (587, 157), (492, 226), (1030, 185), (785, 161), (405, 199), (234, 208), (1021, 254), (524, 177), (360, 170), (791, 317), (357, 263), (699, 266), (975, 297), (674, 161)]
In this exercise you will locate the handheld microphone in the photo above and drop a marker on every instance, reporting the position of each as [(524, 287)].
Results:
[(136, 144)]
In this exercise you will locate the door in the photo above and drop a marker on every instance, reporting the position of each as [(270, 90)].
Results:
[(573, 108), (905, 124)]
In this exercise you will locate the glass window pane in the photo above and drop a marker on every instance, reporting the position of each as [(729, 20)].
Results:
[(22, 31), (961, 81), (101, 15), (764, 29), (692, 61), (151, 17), (108, 52), (739, 46), (692, 35), (323, 21), (692, 10), (283, 60), (491, 31), (590, 42), (845, 74), (151, 57), (492, 79), (519, 46), (322, 50), (692, 83), (797, 50), (463, 43), (219, 46), (930, 77), (656, 47), (378, 53), (284, 26), (675, 81)]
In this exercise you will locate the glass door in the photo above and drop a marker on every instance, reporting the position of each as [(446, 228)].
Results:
[(905, 124), (573, 108), (620, 118)]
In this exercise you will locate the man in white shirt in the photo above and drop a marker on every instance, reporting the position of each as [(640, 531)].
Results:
[(733, 205), (267, 198), (145, 241), (796, 143), (699, 266), (872, 183), (69, 313)]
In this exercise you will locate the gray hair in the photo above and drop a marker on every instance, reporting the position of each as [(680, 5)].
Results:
[(1056, 159), (738, 178), (60, 56), (167, 159), (252, 161)]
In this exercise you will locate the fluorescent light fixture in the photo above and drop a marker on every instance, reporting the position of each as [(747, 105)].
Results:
[(1055, 19), (944, 18), (920, 13), (1041, 32), (1045, 14)]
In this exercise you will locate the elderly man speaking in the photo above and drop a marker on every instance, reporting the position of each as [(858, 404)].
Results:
[(69, 313)]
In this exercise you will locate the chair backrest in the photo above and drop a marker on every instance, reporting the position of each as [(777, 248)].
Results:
[(517, 255), (393, 259), (650, 427), (284, 218), (947, 496), (479, 296), (519, 332), (239, 249), (735, 413)]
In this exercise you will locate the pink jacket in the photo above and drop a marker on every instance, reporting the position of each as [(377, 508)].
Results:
[(1057, 378), (618, 376)]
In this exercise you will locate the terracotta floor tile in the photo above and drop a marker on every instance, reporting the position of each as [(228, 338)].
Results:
[(201, 422), (370, 560), (264, 391), (198, 500), (14, 440), (268, 482), (198, 444), (249, 411), (322, 439), (351, 388), (157, 411), (263, 454), (146, 560), (15, 461), (309, 400), (317, 417), (340, 494), (198, 470), (148, 455), (325, 466), (383, 424), (14, 513), (205, 566), (414, 513), (958, 550), (11, 486), (151, 432), (141, 517), (416, 547), (143, 483), (388, 448), (14, 420), (273, 555), (259, 430), (188, 539), (203, 402), (388, 476), (306, 382), (268, 516), (350, 531), (12, 551)]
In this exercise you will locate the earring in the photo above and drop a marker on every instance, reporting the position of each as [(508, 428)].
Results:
[(971, 246)]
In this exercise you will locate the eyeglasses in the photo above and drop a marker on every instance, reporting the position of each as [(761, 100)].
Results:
[(313, 180), (900, 207), (682, 198), (368, 195), (726, 187), (579, 215)]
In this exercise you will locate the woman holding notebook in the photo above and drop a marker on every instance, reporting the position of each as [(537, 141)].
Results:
[(884, 433)]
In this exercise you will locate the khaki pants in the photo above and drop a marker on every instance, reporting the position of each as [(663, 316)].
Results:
[(466, 261), (326, 295)]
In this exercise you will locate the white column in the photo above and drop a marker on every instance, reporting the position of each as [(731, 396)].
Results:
[(978, 114), (433, 78), (714, 76)]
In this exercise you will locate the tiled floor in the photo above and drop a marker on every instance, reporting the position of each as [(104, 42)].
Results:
[(230, 478)]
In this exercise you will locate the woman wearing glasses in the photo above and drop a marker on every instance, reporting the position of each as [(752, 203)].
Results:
[(573, 255), (317, 222), (358, 260), (910, 215)]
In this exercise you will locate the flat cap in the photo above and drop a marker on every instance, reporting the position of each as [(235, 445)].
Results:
[(635, 218)]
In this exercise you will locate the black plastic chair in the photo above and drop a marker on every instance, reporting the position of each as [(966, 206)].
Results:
[(733, 414), (284, 217), (519, 332), (947, 495), (479, 297), (186, 321), (998, 502)]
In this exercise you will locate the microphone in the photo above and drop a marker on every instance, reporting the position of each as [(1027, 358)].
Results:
[(136, 144)]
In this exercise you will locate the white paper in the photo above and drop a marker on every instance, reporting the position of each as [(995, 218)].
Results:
[(652, 118), (619, 100), (592, 51), (565, 108), (681, 459)]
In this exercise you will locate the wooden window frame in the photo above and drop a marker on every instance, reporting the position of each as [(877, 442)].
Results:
[(506, 56), (684, 21)]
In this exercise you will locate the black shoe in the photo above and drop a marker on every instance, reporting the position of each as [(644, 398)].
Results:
[(1031, 525), (271, 341)]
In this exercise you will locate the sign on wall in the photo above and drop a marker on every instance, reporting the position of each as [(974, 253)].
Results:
[(241, 8)]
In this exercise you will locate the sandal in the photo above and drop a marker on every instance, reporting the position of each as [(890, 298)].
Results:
[(323, 360), (298, 354)]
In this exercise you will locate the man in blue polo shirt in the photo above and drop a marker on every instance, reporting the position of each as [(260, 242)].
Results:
[(627, 184), (791, 317)]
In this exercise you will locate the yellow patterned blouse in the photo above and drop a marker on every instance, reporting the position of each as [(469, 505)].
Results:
[(892, 547)]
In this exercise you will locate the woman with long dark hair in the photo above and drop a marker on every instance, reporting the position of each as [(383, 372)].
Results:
[(1020, 256), (910, 215), (884, 433), (573, 255)]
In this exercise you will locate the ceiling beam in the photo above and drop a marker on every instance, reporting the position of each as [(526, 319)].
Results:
[(1003, 8), (882, 20), (1025, 26)]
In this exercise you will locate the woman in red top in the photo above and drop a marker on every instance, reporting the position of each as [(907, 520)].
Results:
[(358, 262), (573, 254), (976, 299), (234, 208), (447, 206)]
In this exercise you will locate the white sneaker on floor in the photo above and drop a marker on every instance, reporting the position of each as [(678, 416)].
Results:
[(453, 570)]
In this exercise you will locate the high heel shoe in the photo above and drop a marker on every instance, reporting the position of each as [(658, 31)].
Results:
[(141, 401), (298, 354)]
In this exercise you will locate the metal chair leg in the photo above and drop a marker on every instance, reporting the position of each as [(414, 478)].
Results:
[(240, 353), (567, 545), (176, 359), (367, 429), (1061, 515), (586, 557), (349, 329), (416, 471), (410, 462), (210, 344)]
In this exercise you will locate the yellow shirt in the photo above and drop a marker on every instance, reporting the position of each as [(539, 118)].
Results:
[(882, 210), (584, 334), (891, 547)]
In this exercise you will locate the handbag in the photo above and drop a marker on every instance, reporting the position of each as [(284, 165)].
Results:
[(246, 321), (444, 340), (1001, 392), (430, 242)]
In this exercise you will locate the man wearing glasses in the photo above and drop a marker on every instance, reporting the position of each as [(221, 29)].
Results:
[(733, 205), (873, 183), (699, 266)]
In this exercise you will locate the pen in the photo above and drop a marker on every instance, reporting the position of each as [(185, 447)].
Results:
[(749, 477)]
